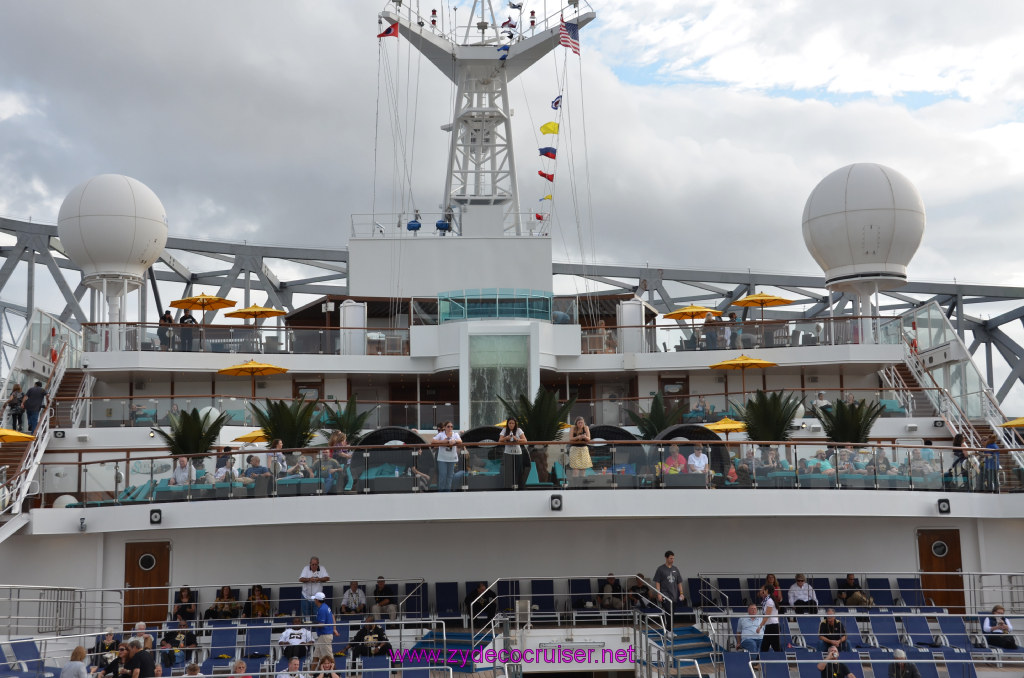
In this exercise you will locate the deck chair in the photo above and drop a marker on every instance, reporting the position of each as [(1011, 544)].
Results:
[(883, 627), (737, 664), (508, 594), (581, 591), (257, 641), (881, 591), (911, 592), (918, 631), (223, 649), (823, 590), (774, 665), (542, 600), (415, 600), (959, 664), (27, 652), (12, 670), (731, 589), (446, 601), (378, 663), (881, 660)]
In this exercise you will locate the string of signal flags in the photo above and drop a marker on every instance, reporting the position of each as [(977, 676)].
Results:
[(568, 36)]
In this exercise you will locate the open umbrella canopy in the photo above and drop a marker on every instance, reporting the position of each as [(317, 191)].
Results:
[(255, 312), (727, 425), (257, 436), (744, 362), (251, 368), (203, 302), (1014, 423), (690, 312), (10, 436), (761, 300)]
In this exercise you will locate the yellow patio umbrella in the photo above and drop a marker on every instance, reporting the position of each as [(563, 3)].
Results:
[(11, 436), (1014, 423), (691, 313), (742, 363), (255, 312), (726, 426), (203, 302), (257, 436), (761, 300), (252, 369)]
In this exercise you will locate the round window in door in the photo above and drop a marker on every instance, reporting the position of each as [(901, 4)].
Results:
[(940, 549), (147, 561)]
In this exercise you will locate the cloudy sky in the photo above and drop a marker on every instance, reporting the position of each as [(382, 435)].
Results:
[(700, 125)]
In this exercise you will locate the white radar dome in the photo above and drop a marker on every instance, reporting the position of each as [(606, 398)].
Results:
[(862, 224), (112, 226)]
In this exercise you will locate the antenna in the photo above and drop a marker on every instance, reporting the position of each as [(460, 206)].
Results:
[(481, 178)]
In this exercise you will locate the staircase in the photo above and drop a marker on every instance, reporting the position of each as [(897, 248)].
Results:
[(64, 400), (917, 403), (689, 644)]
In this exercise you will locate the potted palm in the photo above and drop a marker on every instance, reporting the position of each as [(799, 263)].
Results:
[(292, 422), (349, 420), (657, 419), (768, 416), (191, 433), (849, 423)]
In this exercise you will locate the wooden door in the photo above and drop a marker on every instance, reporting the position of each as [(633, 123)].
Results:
[(147, 573), (940, 563)]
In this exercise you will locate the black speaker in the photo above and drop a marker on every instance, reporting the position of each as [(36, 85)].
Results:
[(156, 516), (556, 502), (943, 506)]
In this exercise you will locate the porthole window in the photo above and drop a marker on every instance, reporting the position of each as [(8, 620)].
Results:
[(940, 549), (147, 561)]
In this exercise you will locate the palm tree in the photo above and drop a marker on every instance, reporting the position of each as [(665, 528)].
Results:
[(349, 421), (192, 434), (849, 422), (657, 419), (291, 422), (541, 419), (769, 415)]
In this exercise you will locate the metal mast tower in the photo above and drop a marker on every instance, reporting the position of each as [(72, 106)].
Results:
[(480, 186)]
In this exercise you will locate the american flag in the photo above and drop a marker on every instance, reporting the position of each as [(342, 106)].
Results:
[(569, 36)]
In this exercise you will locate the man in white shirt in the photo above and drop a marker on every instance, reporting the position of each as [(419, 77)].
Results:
[(749, 632), (802, 598), (183, 473), (697, 462), (313, 577), (293, 669), (295, 640), (821, 402), (354, 600)]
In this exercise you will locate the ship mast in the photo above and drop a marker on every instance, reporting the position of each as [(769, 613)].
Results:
[(481, 195)]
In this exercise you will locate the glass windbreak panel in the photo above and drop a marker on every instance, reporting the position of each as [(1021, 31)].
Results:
[(498, 367)]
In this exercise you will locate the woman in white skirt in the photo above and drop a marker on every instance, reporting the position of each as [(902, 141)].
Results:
[(579, 453)]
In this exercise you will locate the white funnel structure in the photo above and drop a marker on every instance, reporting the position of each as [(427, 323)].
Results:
[(114, 228), (862, 224)]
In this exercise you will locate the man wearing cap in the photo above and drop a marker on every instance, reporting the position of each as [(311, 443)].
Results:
[(384, 600), (313, 577), (324, 628)]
